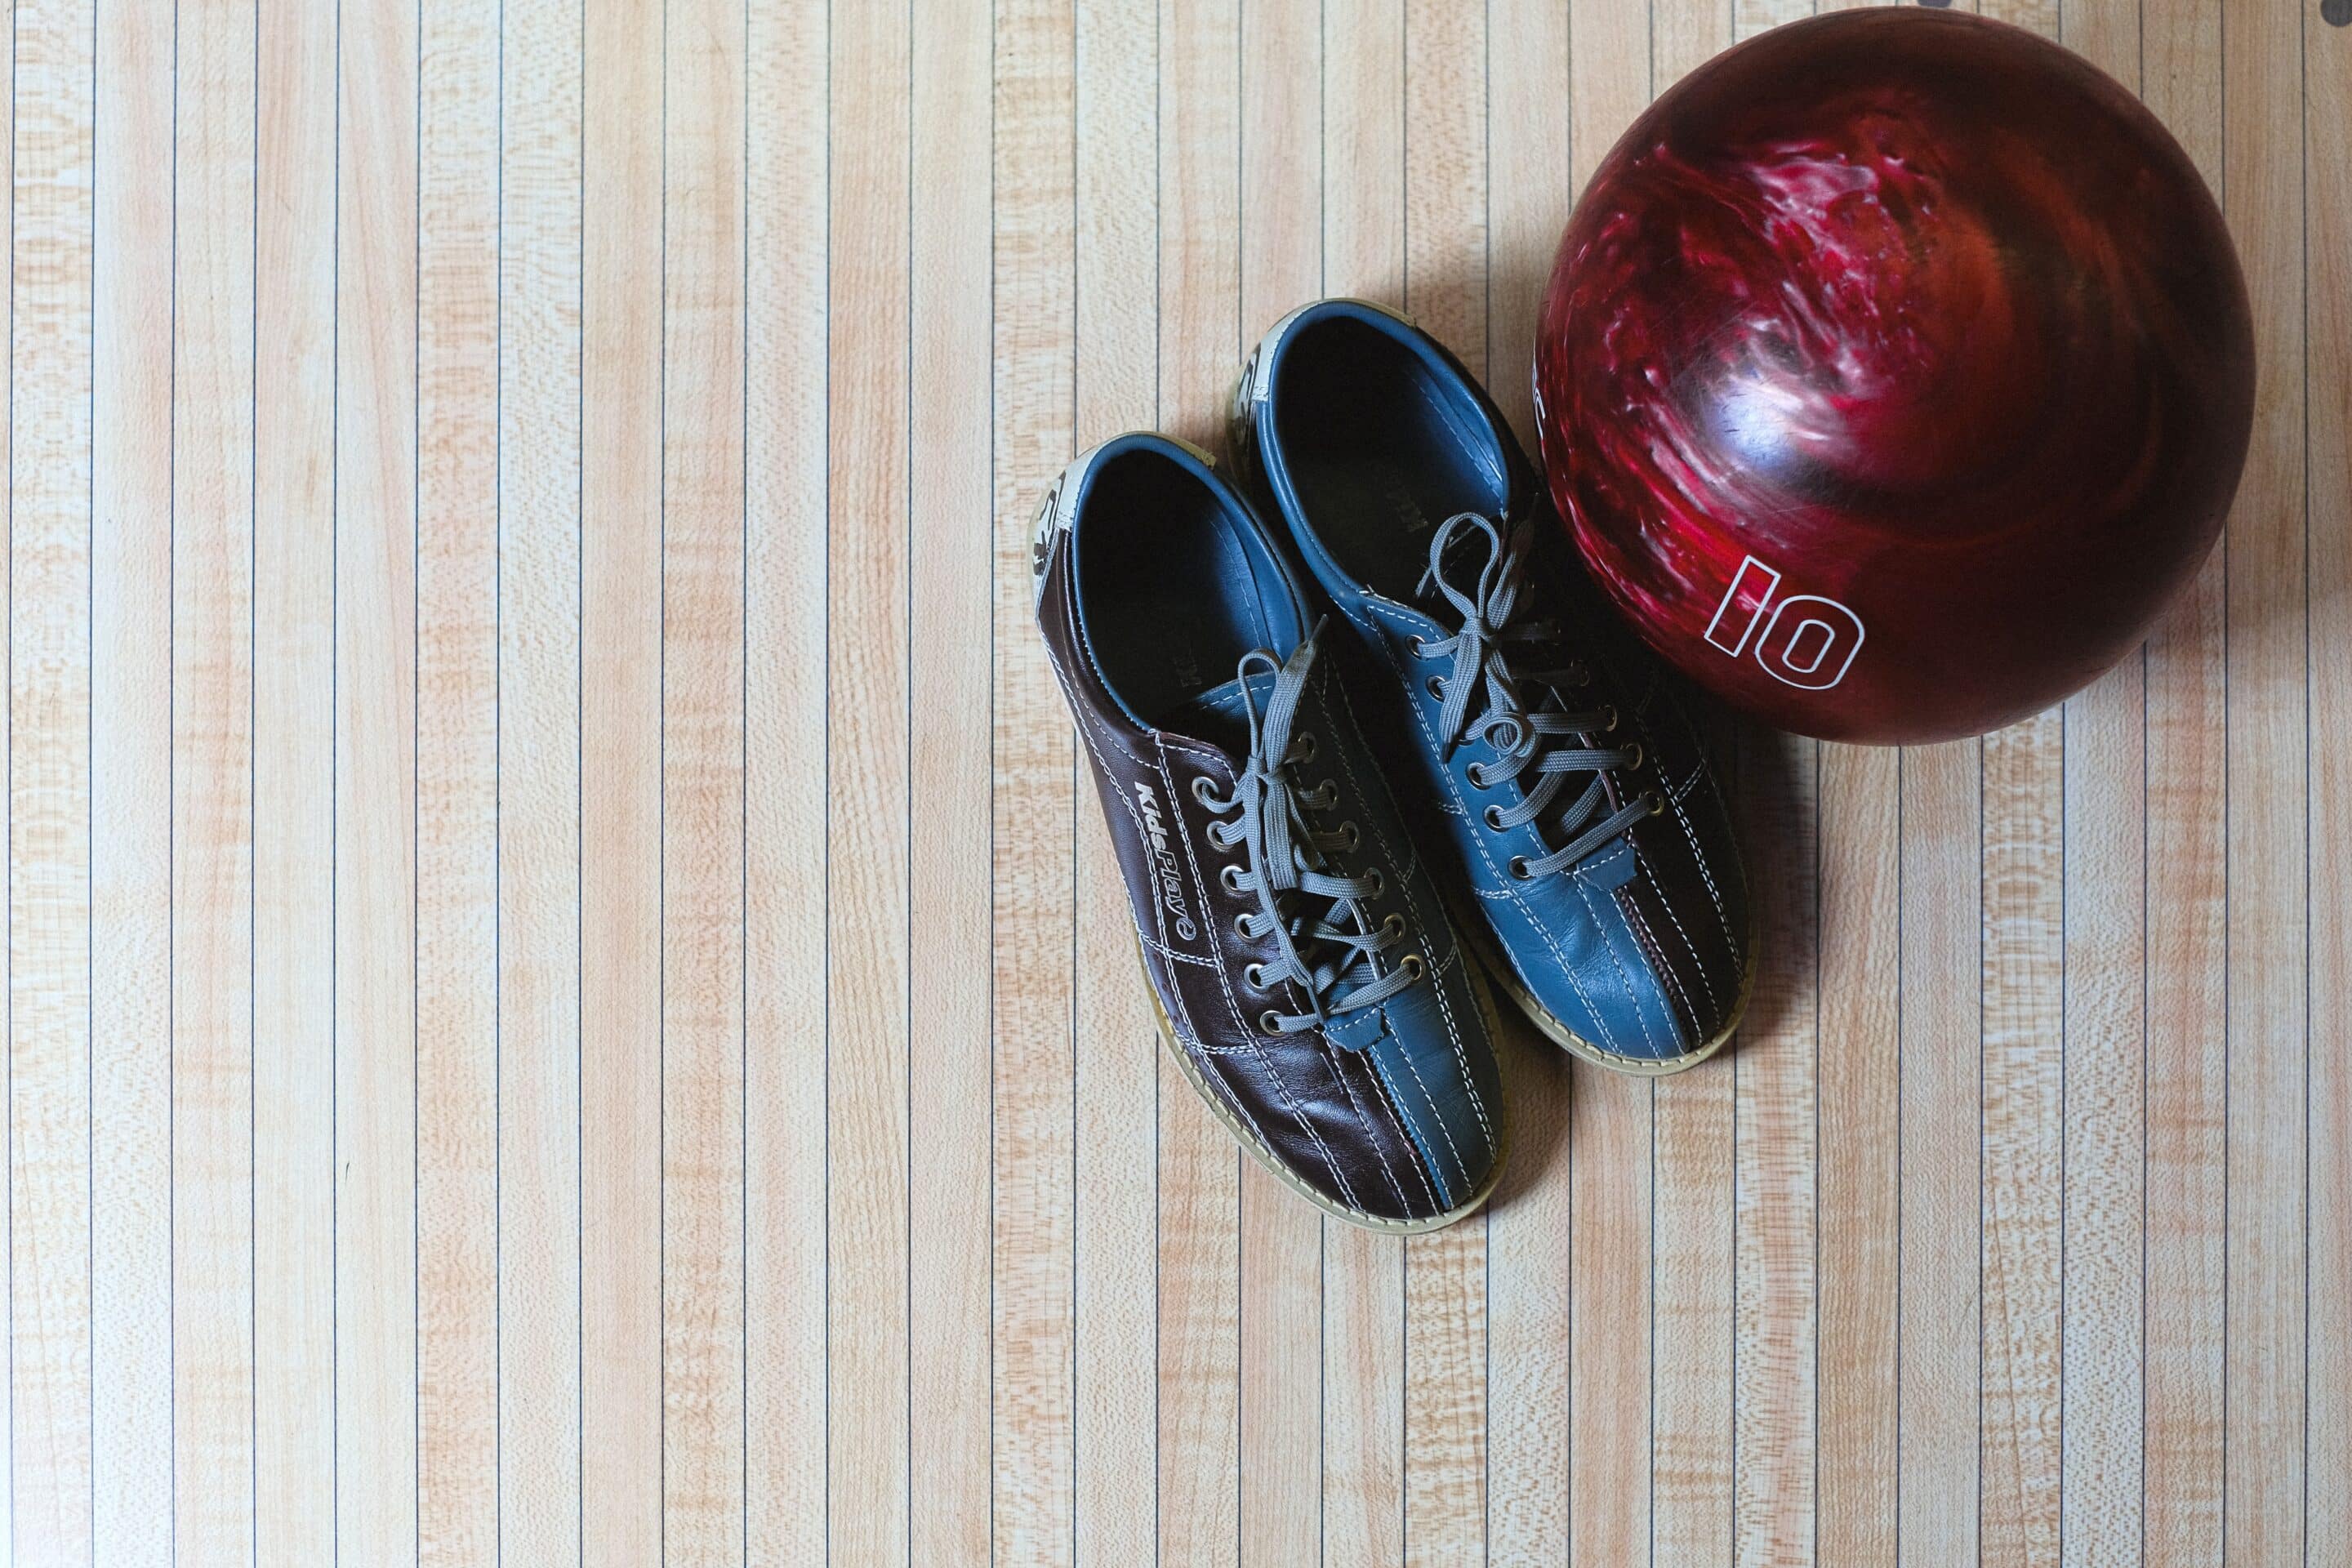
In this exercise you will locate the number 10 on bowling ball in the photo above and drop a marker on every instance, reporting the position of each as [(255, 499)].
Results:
[(1895, 372)]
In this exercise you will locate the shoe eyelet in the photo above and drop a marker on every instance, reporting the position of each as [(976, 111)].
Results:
[(1230, 875), (1308, 744), (1393, 927), (1609, 723), (1348, 837), (1655, 800), (1380, 883), (1579, 674), (1633, 762), (1256, 975), (1476, 775), (1518, 867), (1413, 644), (1435, 687), (1203, 789), (1241, 926), (1269, 1023), (1493, 815), (1411, 965)]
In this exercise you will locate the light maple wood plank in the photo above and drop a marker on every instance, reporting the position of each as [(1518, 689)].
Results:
[(1363, 149), (2327, 258), (49, 526), (1363, 1396), (133, 1194), (2105, 1094), (2187, 944), (537, 422), (1282, 1239), (868, 908), (212, 825), (1610, 1169), (294, 412), (2266, 699), (949, 553), (1528, 197), (703, 1477), (7, 749), (1199, 1165), (1777, 1265), (621, 970), (1445, 1273), (1859, 1141), (2023, 1164), (1035, 1326), (460, 918), (1115, 1233), (1362, 1329), (785, 1066), (1445, 1394), (1940, 1325), (375, 812)]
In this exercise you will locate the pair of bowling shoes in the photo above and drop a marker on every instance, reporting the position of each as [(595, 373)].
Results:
[(1368, 742)]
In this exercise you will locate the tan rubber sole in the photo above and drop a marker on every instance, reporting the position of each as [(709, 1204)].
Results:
[(1246, 1136)]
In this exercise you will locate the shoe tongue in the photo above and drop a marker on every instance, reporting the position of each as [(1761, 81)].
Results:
[(1218, 717)]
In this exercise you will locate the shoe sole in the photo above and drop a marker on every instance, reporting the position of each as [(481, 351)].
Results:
[(1246, 1135)]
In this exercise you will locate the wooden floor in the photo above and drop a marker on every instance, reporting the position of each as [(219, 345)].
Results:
[(566, 1002)]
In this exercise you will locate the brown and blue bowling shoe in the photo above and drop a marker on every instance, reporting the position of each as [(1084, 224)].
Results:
[(1305, 976), (1560, 790)]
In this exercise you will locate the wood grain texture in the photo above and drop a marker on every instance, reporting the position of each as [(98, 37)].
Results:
[(378, 1504), (704, 1479), (212, 819), (294, 405), (139, 1187), (538, 772), (569, 1000), (621, 689), (786, 498), (50, 751), (869, 740), (465, 841)]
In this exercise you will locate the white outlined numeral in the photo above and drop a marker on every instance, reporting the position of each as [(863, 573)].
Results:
[(1811, 650)]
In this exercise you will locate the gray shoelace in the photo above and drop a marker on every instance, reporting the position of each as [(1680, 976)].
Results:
[(1331, 953), (1542, 745)]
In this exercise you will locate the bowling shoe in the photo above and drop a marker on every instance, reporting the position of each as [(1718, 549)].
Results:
[(1557, 787), (1298, 956)]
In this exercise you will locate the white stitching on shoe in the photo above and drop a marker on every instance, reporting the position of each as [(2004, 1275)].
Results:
[(1379, 1148), (1633, 917), (1586, 894)]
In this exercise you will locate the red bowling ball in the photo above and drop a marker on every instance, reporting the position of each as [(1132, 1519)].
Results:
[(1896, 370)]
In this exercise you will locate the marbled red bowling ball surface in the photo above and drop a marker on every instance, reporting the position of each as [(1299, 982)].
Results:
[(1896, 371)]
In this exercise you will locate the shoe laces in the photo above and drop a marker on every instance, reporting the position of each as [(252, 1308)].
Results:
[(1543, 744), (1325, 940)]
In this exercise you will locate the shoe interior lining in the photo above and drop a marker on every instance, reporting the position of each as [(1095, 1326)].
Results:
[(1379, 450), (1174, 593)]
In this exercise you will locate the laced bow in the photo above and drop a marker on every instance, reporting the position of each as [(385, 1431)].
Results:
[(1330, 953), (1538, 745)]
